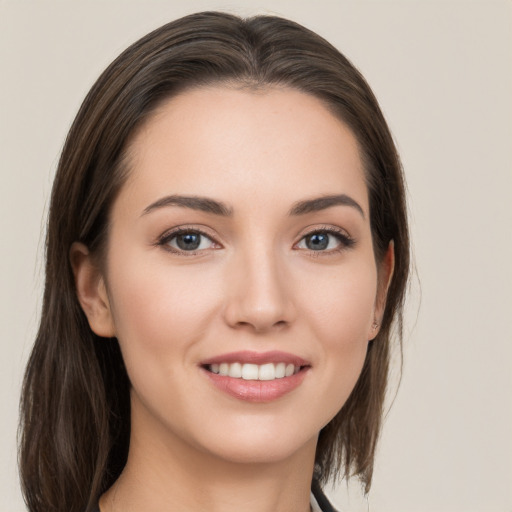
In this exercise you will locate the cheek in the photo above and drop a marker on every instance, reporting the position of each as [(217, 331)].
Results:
[(160, 315), (159, 308), (341, 305), (340, 315)]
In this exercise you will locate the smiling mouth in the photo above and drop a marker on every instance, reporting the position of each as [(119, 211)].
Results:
[(256, 377), (255, 372)]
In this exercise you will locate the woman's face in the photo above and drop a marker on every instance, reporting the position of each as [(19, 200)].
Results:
[(241, 279)]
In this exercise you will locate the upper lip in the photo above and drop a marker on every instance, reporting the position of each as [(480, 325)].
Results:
[(248, 356)]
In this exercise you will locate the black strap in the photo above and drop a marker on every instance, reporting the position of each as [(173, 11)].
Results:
[(321, 498)]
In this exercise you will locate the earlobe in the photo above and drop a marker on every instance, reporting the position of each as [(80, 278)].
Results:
[(91, 291), (385, 275)]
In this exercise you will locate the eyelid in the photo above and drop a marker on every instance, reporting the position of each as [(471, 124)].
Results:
[(164, 239), (329, 228), (346, 241)]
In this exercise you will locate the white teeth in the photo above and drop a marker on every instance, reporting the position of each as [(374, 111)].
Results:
[(267, 371), (249, 371), (280, 370), (235, 370)]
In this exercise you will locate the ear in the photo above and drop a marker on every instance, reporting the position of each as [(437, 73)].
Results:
[(91, 291), (385, 274)]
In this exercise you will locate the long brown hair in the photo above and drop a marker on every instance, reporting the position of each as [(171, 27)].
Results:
[(75, 408)]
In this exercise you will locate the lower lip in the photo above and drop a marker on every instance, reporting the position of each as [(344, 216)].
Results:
[(256, 390)]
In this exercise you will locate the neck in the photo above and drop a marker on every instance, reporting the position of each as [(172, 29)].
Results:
[(164, 473)]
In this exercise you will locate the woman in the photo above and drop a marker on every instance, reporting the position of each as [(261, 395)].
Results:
[(227, 252)]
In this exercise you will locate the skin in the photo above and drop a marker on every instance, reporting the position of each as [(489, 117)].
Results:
[(253, 284)]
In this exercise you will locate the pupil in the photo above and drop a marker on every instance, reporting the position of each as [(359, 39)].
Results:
[(317, 242), (188, 241)]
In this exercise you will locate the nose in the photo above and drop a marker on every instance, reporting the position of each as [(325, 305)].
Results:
[(259, 298)]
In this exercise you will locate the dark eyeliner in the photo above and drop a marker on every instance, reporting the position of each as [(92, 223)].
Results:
[(346, 241), (164, 239)]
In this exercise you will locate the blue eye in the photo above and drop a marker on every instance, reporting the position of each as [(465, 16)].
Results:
[(191, 241), (325, 241), (318, 241), (187, 241)]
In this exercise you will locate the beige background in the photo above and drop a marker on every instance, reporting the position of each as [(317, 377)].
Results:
[(442, 71)]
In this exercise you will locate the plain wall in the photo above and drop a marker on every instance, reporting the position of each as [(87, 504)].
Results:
[(442, 71)]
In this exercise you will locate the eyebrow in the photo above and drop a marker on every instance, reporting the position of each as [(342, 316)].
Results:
[(203, 204), (215, 207), (324, 202)]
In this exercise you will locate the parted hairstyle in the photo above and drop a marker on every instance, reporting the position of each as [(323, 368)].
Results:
[(75, 405)]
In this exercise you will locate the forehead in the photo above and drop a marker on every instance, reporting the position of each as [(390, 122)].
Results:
[(234, 142)]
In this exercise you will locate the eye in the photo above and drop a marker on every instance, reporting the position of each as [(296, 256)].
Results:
[(325, 240), (187, 240)]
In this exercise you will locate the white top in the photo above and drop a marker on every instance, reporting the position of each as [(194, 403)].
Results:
[(314, 504)]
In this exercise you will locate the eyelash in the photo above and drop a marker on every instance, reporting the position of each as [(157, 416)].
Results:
[(345, 241)]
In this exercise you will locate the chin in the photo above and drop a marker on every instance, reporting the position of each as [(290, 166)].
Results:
[(263, 453), (261, 444)]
